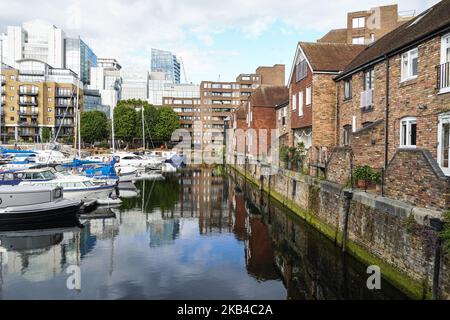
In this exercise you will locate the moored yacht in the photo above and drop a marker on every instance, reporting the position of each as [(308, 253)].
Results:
[(74, 186), (35, 204)]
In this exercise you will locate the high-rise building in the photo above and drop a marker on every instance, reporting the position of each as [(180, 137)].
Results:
[(167, 62), (106, 78), (47, 43), (34, 40), (92, 101), (365, 27), (135, 85), (159, 88), (36, 96), (79, 58)]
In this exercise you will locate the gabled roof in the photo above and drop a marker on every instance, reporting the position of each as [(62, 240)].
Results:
[(241, 113), (428, 24), (330, 57), (269, 96), (326, 57)]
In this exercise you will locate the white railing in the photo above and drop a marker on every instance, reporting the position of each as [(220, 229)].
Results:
[(366, 98)]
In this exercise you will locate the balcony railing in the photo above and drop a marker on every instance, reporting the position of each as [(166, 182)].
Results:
[(28, 124), (64, 94), (366, 99), (67, 115), (28, 112), (27, 133), (28, 103), (443, 76), (28, 92)]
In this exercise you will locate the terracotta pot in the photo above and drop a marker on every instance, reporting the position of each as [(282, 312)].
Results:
[(362, 184)]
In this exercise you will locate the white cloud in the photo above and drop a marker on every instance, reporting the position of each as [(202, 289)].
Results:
[(128, 29)]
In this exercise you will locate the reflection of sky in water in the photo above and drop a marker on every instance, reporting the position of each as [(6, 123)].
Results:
[(130, 265)]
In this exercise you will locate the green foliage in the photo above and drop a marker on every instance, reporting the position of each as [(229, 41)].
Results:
[(410, 224), (445, 234), (376, 177), (94, 126), (46, 134), (125, 122), (293, 155), (363, 173), (166, 123)]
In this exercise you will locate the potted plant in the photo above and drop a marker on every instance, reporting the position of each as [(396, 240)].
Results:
[(376, 178), (362, 174)]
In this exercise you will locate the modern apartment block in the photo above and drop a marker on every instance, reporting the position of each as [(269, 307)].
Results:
[(135, 85), (365, 27), (36, 96), (159, 87), (220, 99), (167, 62)]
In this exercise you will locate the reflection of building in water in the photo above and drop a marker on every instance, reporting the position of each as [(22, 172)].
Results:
[(204, 195), (162, 231), (104, 228), (259, 250), (237, 202), (38, 255)]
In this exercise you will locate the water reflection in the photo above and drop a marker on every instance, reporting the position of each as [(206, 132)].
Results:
[(199, 234)]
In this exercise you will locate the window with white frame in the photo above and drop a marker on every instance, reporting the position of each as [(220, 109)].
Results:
[(358, 22), (408, 132), (294, 102), (409, 64), (358, 40), (308, 96), (300, 104), (348, 89)]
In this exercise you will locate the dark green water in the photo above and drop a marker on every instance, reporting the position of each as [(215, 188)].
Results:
[(197, 235)]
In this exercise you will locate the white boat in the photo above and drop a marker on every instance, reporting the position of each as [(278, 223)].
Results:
[(51, 156), (74, 186), (20, 204), (138, 162)]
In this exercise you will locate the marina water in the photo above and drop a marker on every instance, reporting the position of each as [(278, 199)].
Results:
[(199, 234)]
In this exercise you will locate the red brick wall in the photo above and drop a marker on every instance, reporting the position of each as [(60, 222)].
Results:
[(323, 110), (368, 145), (418, 98), (264, 118), (295, 88), (413, 176)]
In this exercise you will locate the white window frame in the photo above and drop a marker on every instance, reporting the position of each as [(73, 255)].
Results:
[(300, 104), (294, 102), (308, 96), (443, 119), (408, 57), (358, 21), (444, 46), (409, 121)]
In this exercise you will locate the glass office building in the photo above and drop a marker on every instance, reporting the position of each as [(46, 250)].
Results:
[(80, 58), (167, 62)]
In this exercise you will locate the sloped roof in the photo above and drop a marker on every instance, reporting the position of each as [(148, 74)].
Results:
[(331, 57), (241, 112), (269, 96), (335, 36), (427, 24)]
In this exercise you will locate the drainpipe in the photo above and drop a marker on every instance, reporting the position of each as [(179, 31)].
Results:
[(386, 123)]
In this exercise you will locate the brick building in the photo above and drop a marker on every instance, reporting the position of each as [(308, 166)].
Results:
[(312, 95), (262, 118), (36, 96), (394, 108), (220, 99), (364, 27)]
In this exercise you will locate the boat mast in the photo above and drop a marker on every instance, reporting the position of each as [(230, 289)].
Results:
[(112, 131), (143, 129), (79, 120)]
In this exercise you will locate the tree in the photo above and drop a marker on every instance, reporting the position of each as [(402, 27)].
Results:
[(166, 124), (125, 122), (94, 126), (151, 118), (46, 134)]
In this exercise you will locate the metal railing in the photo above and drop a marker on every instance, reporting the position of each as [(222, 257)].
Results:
[(443, 75)]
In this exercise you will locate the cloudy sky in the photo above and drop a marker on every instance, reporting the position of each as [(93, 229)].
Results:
[(215, 38)]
